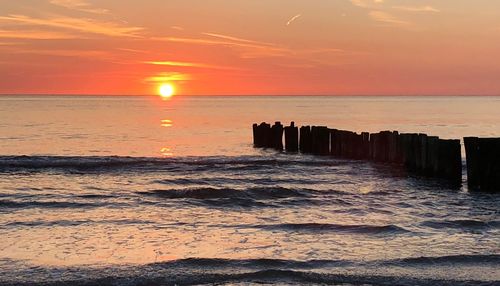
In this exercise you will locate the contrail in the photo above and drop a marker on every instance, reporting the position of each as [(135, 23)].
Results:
[(293, 19)]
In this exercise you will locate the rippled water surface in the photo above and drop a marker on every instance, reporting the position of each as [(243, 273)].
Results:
[(139, 191)]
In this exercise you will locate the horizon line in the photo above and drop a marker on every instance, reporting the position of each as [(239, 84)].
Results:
[(247, 95)]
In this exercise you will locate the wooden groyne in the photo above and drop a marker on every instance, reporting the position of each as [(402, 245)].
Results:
[(420, 154)]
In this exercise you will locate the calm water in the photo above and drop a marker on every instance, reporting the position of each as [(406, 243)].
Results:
[(140, 191)]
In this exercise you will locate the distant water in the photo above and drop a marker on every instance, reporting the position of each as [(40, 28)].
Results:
[(140, 191)]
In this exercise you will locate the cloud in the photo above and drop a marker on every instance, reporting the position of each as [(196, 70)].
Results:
[(79, 5), (189, 65), (132, 50), (387, 18), (76, 24), (236, 39), (417, 9), (366, 3), (35, 35), (293, 19), (251, 48), (168, 76)]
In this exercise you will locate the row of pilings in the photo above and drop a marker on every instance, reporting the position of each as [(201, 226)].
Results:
[(418, 153)]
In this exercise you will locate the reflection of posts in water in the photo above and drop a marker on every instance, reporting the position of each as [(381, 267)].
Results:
[(483, 163)]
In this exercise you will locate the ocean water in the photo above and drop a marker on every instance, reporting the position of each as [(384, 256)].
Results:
[(144, 191)]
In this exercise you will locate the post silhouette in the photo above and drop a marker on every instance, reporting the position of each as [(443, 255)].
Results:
[(292, 138), (419, 154)]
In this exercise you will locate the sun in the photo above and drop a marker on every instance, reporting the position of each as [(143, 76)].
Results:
[(166, 90)]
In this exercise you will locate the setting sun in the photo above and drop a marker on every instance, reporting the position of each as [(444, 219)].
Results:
[(166, 90)]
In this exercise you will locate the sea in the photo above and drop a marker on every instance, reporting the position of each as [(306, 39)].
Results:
[(140, 190)]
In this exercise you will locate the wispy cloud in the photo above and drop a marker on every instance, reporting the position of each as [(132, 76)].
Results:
[(387, 18), (236, 39), (189, 65), (80, 5), (366, 3), (76, 24), (132, 50), (91, 54), (35, 35), (251, 48), (417, 9), (169, 76), (293, 19)]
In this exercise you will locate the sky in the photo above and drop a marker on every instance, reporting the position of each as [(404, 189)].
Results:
[(250, 47)]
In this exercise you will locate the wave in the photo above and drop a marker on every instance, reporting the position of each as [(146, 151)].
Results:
[(326, 227), (454, 259), (70, 223), (9, 204), (245, 197), (205, 271), (89, 163), (221, 193), (467, 224)]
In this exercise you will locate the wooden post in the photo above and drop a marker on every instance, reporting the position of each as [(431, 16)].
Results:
[(393, 147), (414, 153), (292, 138), (334, 143), (277, 136), (365, 145), (255, 129), (305, 140), (472, 158), (483, 163), (450, 161), (489, 160), (422, 147), (262, 135), (320, 140), (432, 147), (344, 144)]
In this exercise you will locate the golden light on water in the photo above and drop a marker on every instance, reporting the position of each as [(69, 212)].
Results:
[(166, 90)]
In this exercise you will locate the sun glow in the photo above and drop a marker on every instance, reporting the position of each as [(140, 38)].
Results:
[(166, 90)]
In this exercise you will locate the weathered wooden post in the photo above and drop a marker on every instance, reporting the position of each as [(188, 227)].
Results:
[(432, 147), (348, 144), (489, 160), (344, 144), (255, 129), (365, 145), (262, 135), (450, 161), (373, 142), (358, 145), (334, 143), (292, 138), (414, 154), (320, 140), (473, 164), (483, 163), (277, 136), (422, 160), (305, 140), (393, 147)]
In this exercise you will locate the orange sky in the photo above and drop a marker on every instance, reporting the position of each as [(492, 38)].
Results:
[(345, 47)]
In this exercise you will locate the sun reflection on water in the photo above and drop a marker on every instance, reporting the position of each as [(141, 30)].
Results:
[(167, 123), (166, 151)]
